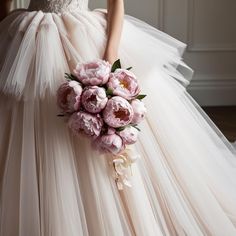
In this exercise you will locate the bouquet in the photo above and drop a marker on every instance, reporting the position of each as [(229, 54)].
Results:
[(103, 102)]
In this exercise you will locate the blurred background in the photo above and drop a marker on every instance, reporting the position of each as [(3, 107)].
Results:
[(208, 28)]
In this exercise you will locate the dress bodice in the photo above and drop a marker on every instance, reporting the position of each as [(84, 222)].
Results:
[(58, 5)]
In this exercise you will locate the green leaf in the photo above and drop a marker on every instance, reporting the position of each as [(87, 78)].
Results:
[(116, 65), (120, 129), (73, 77), (67, 76), (109, 92), (136, 127), (70, 77), (129, 68), (141, 96)]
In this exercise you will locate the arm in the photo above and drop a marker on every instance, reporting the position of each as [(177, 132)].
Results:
[(4, 8), (115, 17)]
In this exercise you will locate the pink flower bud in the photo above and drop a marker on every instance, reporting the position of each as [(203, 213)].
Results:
[(94, 99), (68, 96), (85, 123), (118, 112), (124, 83), (93, 73), (109, 143), (129, 135), (139, 111)]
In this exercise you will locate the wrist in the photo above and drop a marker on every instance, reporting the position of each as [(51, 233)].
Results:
[(110, 50), (110, 56)]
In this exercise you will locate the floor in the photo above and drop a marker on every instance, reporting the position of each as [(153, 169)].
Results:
[(225, 119)]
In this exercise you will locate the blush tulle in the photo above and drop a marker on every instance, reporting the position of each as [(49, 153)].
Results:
[(53, 184)]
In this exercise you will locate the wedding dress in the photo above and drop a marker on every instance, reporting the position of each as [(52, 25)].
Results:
[(55, 184)]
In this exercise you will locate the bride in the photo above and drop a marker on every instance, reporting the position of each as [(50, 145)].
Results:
[(55, 184)]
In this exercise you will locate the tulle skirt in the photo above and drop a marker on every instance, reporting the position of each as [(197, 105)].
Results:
[(55, 184)]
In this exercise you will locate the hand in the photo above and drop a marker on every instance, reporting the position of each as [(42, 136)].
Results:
[(110, 56)]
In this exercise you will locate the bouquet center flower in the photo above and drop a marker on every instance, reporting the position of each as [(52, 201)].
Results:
[(124, 84), (92, 99), (122, 114)]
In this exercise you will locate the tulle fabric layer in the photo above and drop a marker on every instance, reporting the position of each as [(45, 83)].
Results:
[(54, 184), (37, 40)]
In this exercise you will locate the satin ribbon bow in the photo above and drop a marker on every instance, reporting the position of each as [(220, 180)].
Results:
[(122, 165)]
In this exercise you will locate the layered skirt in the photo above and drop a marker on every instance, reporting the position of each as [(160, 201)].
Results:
[(55, 184)]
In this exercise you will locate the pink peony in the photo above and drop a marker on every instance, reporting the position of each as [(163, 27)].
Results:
[(124, 83), (85, 123), (110, 143), (139, 111), (68, 96), (94, 99), (129, 135), (93, 73), (118, 112)]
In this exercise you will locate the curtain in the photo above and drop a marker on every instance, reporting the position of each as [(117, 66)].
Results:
[(19, 4)]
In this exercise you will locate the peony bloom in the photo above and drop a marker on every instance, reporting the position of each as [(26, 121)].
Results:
[(94, 99), (93, 73), (110, 143), (124, 83), (129, 135), (118, 112), (68, 96), (139, 111), (85, 123)]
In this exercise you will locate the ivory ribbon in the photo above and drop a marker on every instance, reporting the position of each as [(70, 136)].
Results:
[(122, 164)]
